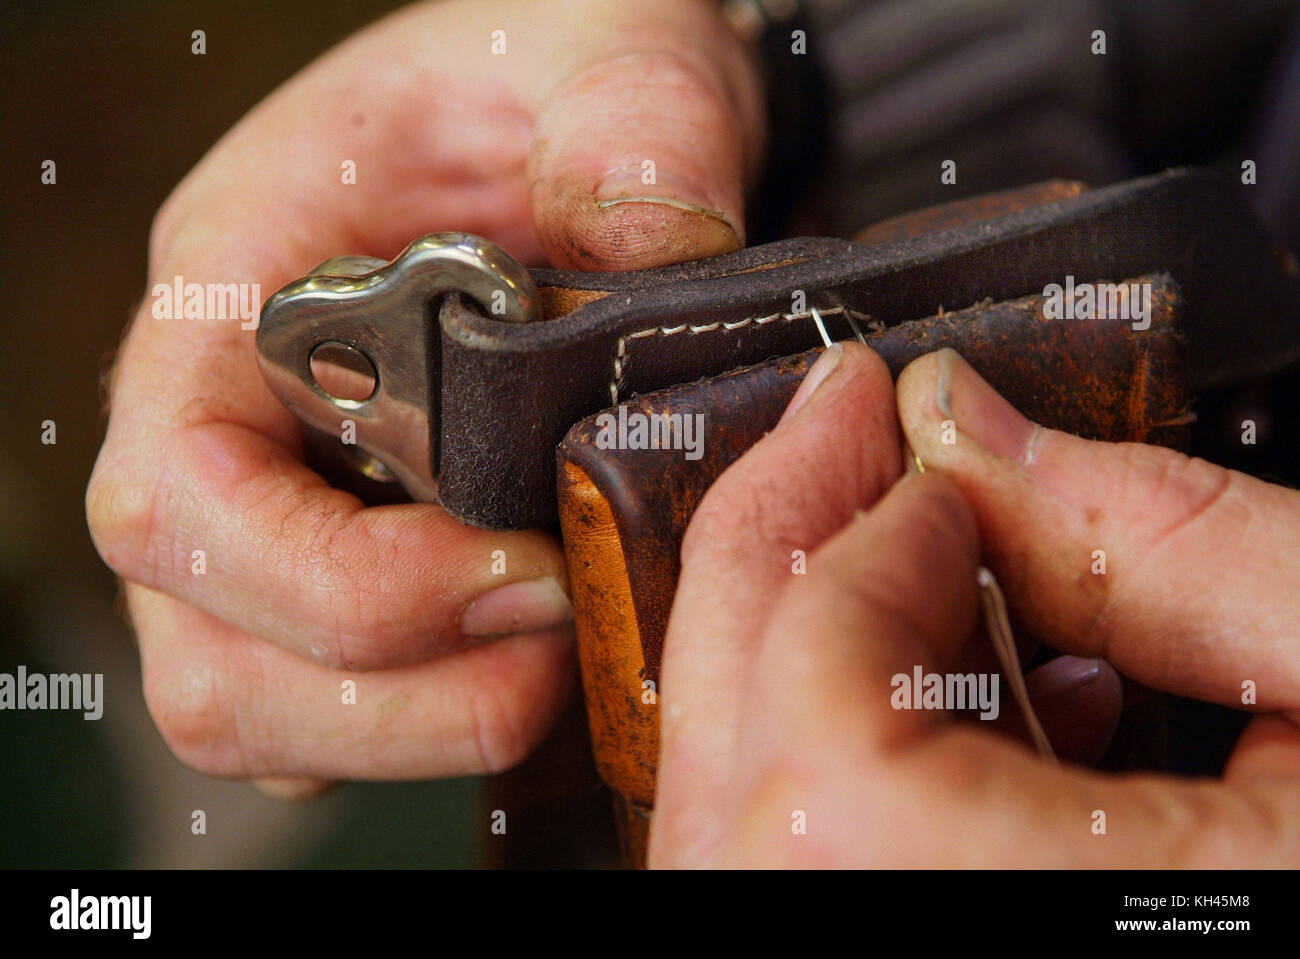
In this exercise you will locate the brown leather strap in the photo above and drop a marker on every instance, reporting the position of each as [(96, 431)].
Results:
[(979, 209), (510, 392), (624, 511), (1129, 386)]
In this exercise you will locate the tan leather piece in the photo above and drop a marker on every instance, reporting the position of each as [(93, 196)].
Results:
[(556, 301), (624, 727)]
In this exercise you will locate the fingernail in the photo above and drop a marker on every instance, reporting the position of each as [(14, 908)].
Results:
[(977, 411), (1069, 674), (628, 185), (814, 378), (943, 383), (524, 607)]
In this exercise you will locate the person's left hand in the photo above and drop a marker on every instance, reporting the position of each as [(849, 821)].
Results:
[(780, 744)]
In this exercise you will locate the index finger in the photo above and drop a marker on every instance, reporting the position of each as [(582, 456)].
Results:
[(836, 453)]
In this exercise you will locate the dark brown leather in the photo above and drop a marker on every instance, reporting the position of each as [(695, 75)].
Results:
[(976, 209), (1097, 378), (508, 393), (624, 512)]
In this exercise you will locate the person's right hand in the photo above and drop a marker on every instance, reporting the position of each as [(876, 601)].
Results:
[(540, 148), (1200, 594), (783, 740)]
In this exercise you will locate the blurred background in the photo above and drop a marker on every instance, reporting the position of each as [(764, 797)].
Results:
[(111, 91)]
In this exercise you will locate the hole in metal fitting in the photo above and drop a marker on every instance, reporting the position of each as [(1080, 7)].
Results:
[(343, 372)]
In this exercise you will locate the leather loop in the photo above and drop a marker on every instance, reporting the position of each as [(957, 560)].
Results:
[(510, 392)]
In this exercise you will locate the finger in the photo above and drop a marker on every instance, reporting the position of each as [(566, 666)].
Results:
[(905, 788), (642, 157), (1267, 749), (782, 498), (445, 153), (230, 705), (1250, 819), (1199, 561), (184, 466), (365, 588), (892, 591), (837, 452), (1029, 813), (440, 132), (1077, 701), (293, 790)]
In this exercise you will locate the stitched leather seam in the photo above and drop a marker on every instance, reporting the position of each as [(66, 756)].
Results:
[(621, 357)]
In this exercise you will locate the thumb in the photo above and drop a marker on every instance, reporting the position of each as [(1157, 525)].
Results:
[(1180, 573), (641, 158)]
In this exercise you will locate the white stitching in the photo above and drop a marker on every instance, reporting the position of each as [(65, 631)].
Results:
[(620, 357)]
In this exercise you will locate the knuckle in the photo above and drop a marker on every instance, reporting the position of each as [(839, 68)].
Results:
[(193, 710), (164, 226), (1201, 826), (662, 69), (778, 793), (1178, 493), (120, 510), (368, 619), (361, 634), (1209, 827), (942, 516), (733, 518)]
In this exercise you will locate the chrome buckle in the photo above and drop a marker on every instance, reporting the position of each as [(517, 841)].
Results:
[(363, 326)]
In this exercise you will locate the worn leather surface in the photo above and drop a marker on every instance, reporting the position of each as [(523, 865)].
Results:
[(624, 512), (1096, 378), (977, 209), (624, 745), (609, 638), (510, 392)]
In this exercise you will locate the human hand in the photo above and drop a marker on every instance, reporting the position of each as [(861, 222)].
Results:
[(459, 670), (777, 688)]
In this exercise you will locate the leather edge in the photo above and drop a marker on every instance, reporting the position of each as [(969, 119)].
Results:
[(624, 726)]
